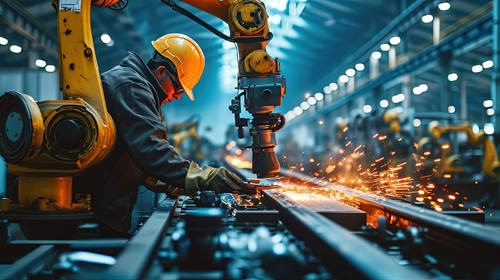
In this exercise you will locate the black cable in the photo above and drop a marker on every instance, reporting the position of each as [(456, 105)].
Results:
[(188, 14)]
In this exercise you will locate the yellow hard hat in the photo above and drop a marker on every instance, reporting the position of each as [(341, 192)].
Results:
[(187, 56)]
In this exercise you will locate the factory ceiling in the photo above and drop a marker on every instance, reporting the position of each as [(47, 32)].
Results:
[(311, 38)]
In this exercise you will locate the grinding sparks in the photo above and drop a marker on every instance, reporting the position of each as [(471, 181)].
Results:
[(446, 146), (345, 129)]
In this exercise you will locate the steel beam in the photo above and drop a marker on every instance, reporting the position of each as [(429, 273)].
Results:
[(20, 19), (467, 237), (344, 254), (26, 264), (137, 256), (495, 78)]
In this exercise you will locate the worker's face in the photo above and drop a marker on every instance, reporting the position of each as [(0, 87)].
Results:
[(166, 84)]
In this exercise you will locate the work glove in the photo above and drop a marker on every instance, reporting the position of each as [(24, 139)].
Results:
[(219, 180)]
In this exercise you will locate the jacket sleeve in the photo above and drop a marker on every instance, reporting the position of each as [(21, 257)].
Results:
[(139, 126)]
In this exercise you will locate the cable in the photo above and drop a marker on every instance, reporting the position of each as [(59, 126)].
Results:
[(188, 14)]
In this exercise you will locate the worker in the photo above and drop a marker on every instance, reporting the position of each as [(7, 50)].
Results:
[(134, 92)]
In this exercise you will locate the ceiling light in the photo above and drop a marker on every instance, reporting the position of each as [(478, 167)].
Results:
[(475, 128), (398, 98), (327, 90), (395, 40), (488, 103), (311, 100), (417, 91), (298, 111), (318, 96), (343, 79), (105, 38), (427, 18), (3, 41), (384, 103), (333, 86), (490, 112), (423, 87), (451, 109), (50, 68), (40, 63), (15, 49), (452, 77), (445, 6), (477, 68), (305, 106), (350, 72), (487, 64), (385, 47), (489, 128), (376, 55), (367, 109), (360, 67), (417, 122)]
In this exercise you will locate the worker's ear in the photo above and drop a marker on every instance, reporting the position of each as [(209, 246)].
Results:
[(160, 71)]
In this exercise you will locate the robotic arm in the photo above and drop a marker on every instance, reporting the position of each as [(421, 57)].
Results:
[(491, 165), (259, 77)]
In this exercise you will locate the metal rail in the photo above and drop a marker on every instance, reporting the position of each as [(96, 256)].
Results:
[(345, 255), (465, 236), (26, 264), (137, 256)]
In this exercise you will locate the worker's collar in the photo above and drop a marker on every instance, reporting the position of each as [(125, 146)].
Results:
[(134, 61)]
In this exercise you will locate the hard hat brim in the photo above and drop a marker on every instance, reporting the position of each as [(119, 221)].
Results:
[(188, 91)]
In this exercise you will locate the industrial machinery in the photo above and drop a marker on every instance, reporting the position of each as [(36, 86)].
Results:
[(258, 76), (47, 143)]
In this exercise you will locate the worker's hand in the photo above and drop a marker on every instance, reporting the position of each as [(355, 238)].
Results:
[(219, 180)]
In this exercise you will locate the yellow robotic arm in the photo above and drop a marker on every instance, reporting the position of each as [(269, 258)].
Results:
[(258, 76), (491, 165), (47, 143)]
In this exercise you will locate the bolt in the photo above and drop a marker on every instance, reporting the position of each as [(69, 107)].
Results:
[(88, 52)]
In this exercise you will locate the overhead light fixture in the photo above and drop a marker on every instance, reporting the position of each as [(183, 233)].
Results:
[(318, 96), (487, 64), (305, 106), (489, 128), (398, 98), (417, 91), (343, 79), (105, 38), (384, 103), (50, 68), (444, 6), (367, 109), (417, 122), (3, 41), (475, 128), (311, 100), (290, 115), (333, 86), (395, 40), (15, 49), (298, 111), (350, 72), (327, 90), (40, 63), (488, 103), (490, 112), (376, 55), (427, 18), (385, 47), (451, 109), (360, 67), (423, 87), (452, 77), (477, 68)]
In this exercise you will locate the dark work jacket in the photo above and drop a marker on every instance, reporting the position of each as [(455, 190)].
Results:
[(133, 98)]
